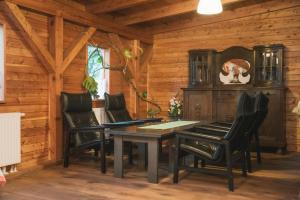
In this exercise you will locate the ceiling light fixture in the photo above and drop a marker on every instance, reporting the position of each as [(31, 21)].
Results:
[(209, 7)]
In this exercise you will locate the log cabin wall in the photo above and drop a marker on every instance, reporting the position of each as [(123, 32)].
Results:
[(27, 85), (169, 67), (27, 89)]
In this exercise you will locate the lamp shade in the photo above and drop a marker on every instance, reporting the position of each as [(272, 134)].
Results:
[(209, 7)]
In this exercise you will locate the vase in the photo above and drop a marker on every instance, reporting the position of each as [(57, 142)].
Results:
[(174, 118)]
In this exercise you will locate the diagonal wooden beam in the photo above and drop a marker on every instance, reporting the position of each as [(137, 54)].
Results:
[(30, 36), (181, 7), (76, 47), (109, 6), (115, 39), (85, 18)]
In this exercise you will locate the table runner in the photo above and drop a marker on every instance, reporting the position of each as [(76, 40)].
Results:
[(169, 125)]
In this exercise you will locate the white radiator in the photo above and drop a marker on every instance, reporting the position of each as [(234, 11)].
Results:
[(101, 115), (10, 141)]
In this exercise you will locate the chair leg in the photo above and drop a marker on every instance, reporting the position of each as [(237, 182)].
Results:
[(248, 158), (229, 169), (96, 153), (203, 163), (66, 159), (176, 161), (66, 150), (103, 156), (258, 150), (196, 161), (243, 163)]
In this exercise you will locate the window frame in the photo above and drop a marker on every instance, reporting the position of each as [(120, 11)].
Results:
[(99, 103), (3, 24)]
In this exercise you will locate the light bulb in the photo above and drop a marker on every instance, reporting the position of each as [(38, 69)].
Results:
[(209, 7)]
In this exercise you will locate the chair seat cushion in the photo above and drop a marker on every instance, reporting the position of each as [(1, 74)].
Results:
[(204, 150)]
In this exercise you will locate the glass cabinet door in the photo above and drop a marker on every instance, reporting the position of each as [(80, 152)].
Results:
[(200, 68), (268, 64)]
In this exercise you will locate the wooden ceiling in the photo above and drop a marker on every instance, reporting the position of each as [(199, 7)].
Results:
[(147, 14), (136, 19)]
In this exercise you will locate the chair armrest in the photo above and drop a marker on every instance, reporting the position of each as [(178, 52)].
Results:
[(122, 124), (200, 136), (215, 127), (222, 124), (211, 129), (86, 129), (146, 120)]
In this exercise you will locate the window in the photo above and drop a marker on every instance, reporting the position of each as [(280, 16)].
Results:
[(98, 59)]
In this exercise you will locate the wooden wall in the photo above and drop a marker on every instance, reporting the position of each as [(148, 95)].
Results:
[(27, 89), (169, 67)]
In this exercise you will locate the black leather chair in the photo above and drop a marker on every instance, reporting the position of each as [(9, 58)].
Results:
[(260, 105), (81, 128), (115, 108), (261, 111), (218, 146)]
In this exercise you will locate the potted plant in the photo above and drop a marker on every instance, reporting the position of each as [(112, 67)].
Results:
[(175, 108)]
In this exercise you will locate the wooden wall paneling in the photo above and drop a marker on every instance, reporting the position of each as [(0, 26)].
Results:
[(30, 36), (56, 26), (264, 23)]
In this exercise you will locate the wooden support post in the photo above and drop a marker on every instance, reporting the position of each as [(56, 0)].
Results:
[(55, 87), (136, 67)]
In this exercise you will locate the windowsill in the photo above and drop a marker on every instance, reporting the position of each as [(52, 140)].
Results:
[(98, 103)]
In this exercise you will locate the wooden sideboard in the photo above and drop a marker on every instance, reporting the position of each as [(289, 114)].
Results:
[(216, 101)]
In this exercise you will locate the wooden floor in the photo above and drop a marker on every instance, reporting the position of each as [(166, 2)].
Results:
[(277, 178)]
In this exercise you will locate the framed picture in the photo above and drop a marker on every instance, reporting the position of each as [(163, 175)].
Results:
[(2, 62)]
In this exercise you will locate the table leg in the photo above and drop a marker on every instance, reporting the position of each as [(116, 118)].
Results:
[(142, 156), (171, 154), (153, 154), (118, 154)]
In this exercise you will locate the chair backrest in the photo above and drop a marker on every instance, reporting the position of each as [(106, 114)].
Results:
[(244, 118), (261, 110), (115, 108), (77, 113)]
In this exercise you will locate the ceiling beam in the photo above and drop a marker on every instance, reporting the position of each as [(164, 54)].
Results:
[(30, 36), (84, 18), (109, 5), (185, 6)]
